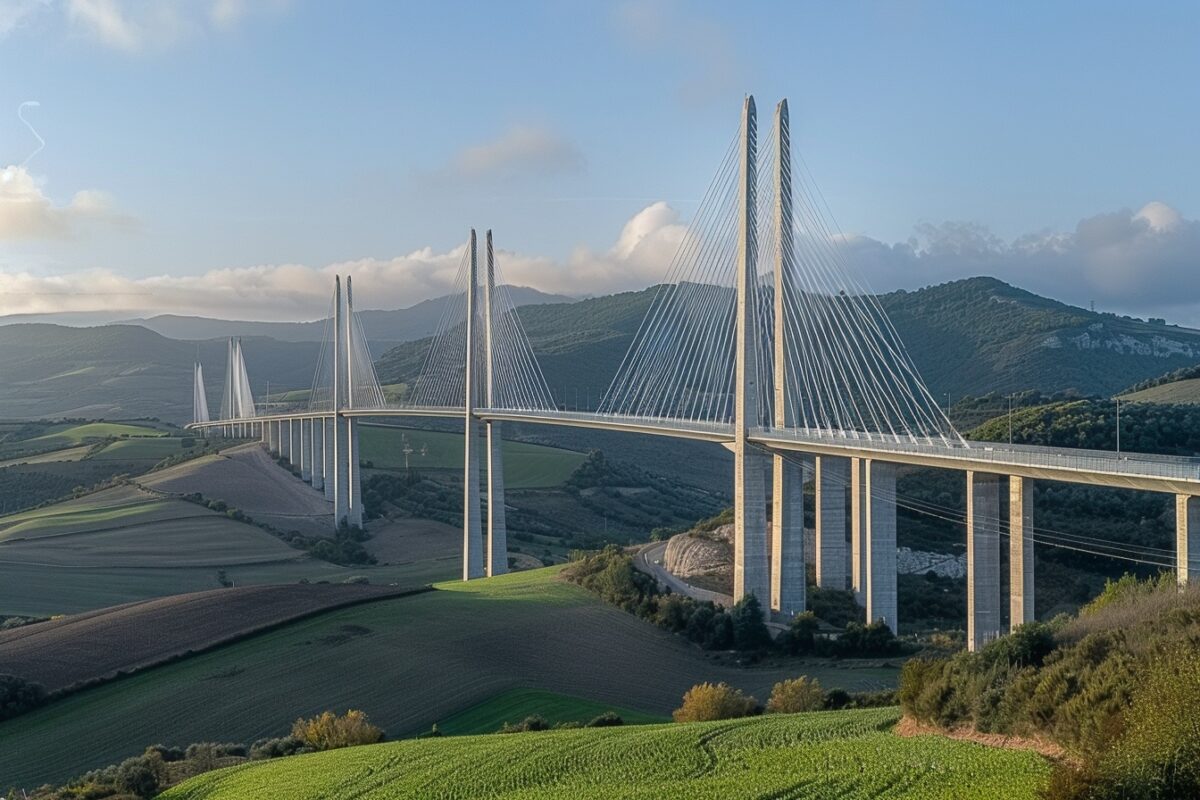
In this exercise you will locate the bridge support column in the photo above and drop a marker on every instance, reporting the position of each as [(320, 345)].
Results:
[(751, 571), (983, 558), (269, 436), (327, 471), (294, 450), (341, 468), (354, 479), (1187, 539), (306, 446), (787, 537), (1020, 551), (497, 544), (832, 476), (879, 497), (318, 453), (473, 566), (858, 529)]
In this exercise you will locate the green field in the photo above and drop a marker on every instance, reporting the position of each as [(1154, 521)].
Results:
[(407, 662), (514, 705), (149, 449), (1185, 391), (124, 544), (526, 466), (77, 434), (822, 755)]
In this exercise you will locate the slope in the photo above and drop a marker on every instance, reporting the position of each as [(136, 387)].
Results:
[(407, 662), (845, 754)]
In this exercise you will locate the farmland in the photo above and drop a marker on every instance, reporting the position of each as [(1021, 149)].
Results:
[(125, 544), (72, 651), (526, 465), (408, 662), (842, 754)]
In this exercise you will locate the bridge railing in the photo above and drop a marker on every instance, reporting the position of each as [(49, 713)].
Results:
[(1075, 459)]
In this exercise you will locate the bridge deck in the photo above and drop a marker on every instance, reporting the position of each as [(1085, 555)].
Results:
[(1098, 467)]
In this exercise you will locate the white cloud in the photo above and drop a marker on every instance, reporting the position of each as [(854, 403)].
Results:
[(139, 25), (27, 213), (1142, 262), (521, 151), (14, 13), (638, 258)]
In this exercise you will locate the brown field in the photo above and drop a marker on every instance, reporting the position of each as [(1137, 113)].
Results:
[(404, 540), (69, 652), (247, 478)]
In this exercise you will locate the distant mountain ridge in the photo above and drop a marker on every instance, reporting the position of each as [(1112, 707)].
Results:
[(399, 325), (971, 336)]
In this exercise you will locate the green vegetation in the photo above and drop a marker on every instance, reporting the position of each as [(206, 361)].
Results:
[(525, 465), (707, 702), (474, 643), (78, 434), (1174, 376), (610, 574), (1108, 685), (517, 704), (18, 695), (329, 731), (1145, 427), (850, 754)]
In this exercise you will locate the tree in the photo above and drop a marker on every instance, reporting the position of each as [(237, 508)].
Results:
[(800, 638), (706, 701), (18, 695), (796, 695), (328, 731), (749, 630)]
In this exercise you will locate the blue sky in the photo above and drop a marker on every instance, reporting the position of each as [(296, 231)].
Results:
[(215, 155)]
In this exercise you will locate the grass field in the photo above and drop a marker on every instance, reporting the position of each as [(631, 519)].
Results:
[(1185, 391), (526, 466), (125, 544), (849, 755), (77, 434), (516, 704), (408, 662), (153, 449)]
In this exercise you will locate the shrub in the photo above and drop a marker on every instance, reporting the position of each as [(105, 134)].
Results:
[(534, 722), (875, 640), (329, 731), (277, 747), (606, 720), (18, 695), (706, 701), (801, 636), (798, 694)]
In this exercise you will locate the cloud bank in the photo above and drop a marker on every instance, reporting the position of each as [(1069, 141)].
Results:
[(1141, 262), (27, 213)]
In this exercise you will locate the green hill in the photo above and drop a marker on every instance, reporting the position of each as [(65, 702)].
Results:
[(408, 663), (845, 754), (971, 336)]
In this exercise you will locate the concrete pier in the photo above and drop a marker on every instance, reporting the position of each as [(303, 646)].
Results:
[(830, 482), (787, 537), (1020, 551), (306, 447), (327, 453), (858, 529), (497, 538), (473, 566), (354, 490), (1187, 539), (880, 568), (318, 453), (983, 558), (294, 449)]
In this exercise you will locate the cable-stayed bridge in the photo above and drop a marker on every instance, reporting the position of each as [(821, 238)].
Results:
[(759, 339)]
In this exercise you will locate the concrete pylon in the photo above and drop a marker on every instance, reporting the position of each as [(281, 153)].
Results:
[(269, 433), (295, 449), (830, 483), (880, 501), (497, 529), (472, 526), (341, 460), (983, 558), (750, 558), (1187, 539), (354, 513), (787, 477), (1020, 551), (318, 452), (327, 423), (858, 529)]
